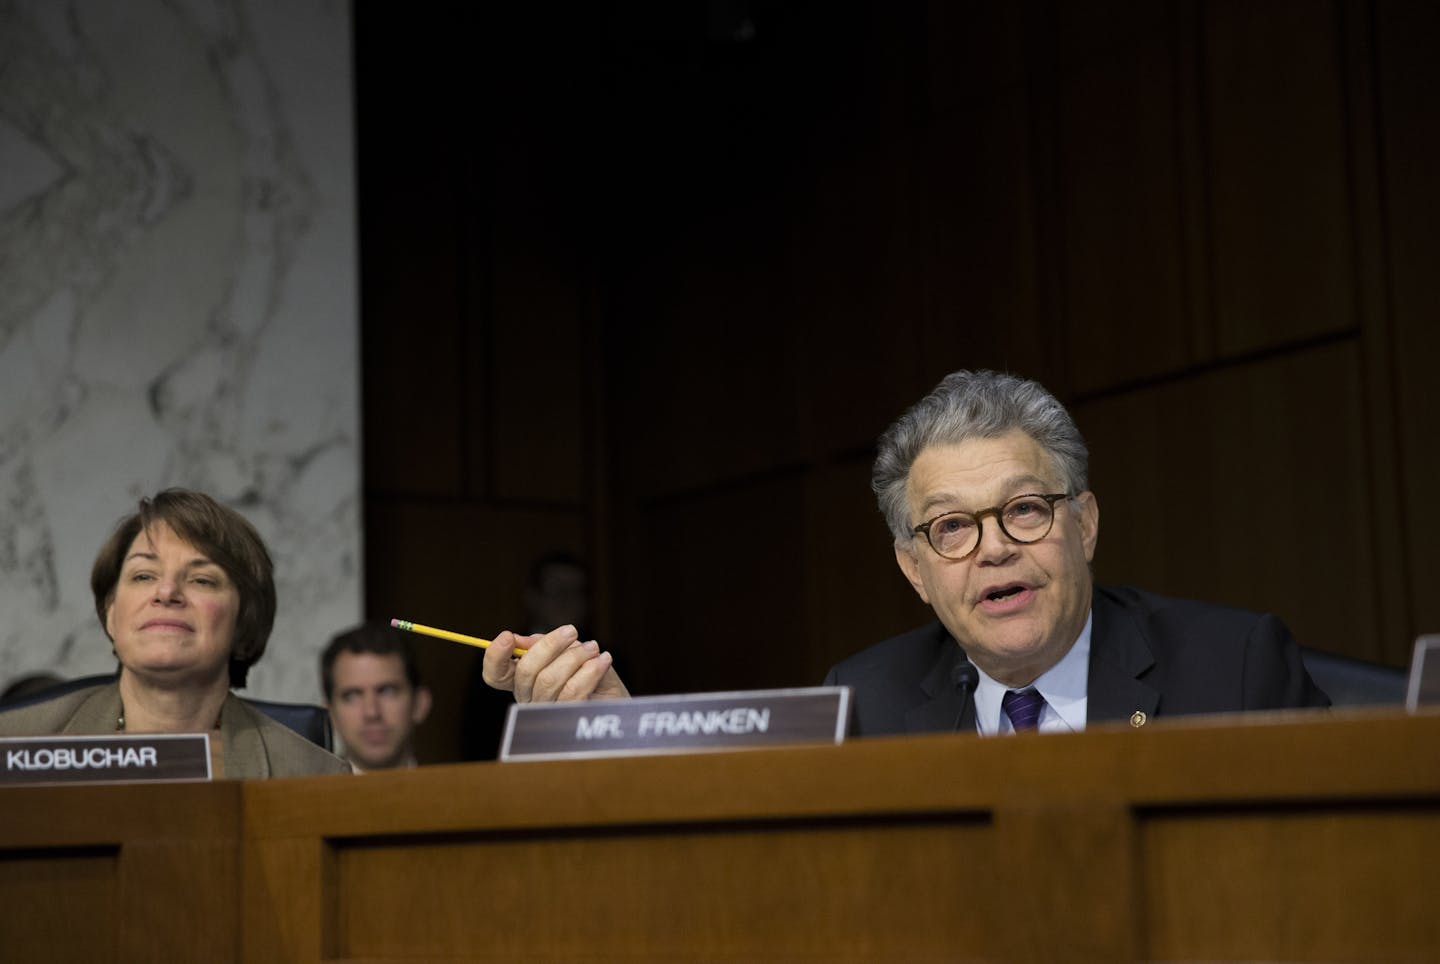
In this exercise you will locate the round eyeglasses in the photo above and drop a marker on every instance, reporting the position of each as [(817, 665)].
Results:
[(1024, 519)]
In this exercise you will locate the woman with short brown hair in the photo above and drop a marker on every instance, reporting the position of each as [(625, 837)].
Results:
[(184, 587)]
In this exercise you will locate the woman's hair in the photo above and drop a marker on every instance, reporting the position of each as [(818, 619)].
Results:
[(966, 405), (226, 539)]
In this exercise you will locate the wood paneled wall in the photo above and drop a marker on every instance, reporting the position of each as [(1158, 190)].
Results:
[(640, 289)]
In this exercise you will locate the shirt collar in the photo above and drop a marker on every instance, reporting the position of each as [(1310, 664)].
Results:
[(1063, 686), (407, 762)]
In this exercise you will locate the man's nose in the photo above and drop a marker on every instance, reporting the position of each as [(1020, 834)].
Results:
[(995, 545)]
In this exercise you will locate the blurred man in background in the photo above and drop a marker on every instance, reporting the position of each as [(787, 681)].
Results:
[(375, 697)]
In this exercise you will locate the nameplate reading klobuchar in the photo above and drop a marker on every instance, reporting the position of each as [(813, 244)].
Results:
[(122, 758), (676, 724)]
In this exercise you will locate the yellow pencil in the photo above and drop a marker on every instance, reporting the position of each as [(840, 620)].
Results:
[(408, 626)]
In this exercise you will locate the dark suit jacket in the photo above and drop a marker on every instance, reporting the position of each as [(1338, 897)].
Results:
[(1149, 653)]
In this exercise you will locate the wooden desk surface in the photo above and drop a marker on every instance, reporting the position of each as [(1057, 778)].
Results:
[(137, 872), (1313, 837), (1283, 837)]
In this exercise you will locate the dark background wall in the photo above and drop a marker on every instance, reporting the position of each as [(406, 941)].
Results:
[(645, 280)]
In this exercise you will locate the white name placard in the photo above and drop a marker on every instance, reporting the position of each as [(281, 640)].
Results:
[(120, 758), (676, 724)]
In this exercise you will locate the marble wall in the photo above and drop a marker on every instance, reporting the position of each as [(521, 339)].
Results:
[(177, 304)]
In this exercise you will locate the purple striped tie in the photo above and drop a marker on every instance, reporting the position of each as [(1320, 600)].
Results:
[(1023, 708)]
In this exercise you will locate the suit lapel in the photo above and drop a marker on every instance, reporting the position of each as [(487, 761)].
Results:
[(942, 707), (1119, 653)]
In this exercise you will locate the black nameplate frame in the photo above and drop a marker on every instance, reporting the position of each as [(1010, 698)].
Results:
[(1422, 689), (122, 758), (676, 724)]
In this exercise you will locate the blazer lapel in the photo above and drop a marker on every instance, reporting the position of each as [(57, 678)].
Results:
[(1119, 653), (245, 755), (98, 713)]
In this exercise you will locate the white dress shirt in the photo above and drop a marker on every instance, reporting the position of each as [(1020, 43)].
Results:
[(1062, 685)]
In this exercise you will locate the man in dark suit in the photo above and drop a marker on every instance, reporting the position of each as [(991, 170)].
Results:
[(983, 484)]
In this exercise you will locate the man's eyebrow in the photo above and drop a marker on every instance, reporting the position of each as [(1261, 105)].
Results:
[(1015, 485), (938, 499)]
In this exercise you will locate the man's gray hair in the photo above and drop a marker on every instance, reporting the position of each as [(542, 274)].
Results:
[(966, 405)]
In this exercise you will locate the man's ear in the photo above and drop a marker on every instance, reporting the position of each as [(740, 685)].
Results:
[(910, 565), (421, 709), (1089, 517)]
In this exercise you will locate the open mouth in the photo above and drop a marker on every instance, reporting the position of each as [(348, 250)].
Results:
[(1004, 593)]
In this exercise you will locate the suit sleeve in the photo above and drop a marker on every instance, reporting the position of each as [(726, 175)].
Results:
[(1275, 674)]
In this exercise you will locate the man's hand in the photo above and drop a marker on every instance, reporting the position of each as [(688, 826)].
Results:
[(557, 667)]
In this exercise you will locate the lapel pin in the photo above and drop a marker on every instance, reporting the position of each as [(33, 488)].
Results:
[(1138, 718)]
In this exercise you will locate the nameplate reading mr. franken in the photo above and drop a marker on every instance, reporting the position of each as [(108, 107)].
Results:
[(676, 724), (122, 758)]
